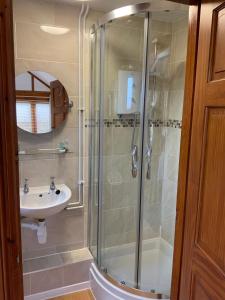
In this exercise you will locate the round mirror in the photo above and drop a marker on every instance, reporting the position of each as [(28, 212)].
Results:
[(42, 103)]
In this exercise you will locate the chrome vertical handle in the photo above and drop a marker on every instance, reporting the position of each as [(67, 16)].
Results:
[(134, 155), (149, 162)]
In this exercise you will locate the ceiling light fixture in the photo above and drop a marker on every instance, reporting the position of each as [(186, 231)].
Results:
[(54, 29)]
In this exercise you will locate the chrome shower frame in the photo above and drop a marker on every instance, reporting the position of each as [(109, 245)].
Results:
[(124, 11)]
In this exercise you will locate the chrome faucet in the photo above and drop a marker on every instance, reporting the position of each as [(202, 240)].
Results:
[(52, 184), (26, 186)]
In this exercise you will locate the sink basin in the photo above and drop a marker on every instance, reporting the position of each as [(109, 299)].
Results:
[(40, 203)]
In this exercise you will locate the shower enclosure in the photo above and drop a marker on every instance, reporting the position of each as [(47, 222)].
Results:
[(138, 66)]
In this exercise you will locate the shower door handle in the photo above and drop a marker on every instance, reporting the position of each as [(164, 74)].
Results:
[(134, 155), (149, 162)]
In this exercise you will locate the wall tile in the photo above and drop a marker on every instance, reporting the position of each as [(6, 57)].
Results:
[(46, 280), (24, 10), (26, 285), (70, 16), (75, 273), (33, 43), (63, 229), (73, 115), (46, 262), (67, 73), (172, 138)]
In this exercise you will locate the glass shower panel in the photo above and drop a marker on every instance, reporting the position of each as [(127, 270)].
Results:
[(94, 145), (121, 150), (164, 104)]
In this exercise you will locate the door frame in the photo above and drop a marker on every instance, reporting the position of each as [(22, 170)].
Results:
[(11, 283), (189, 90)]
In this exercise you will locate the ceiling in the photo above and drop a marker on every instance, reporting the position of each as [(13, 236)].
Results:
[(108, 5)]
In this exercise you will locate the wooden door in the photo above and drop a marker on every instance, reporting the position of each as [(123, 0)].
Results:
[(10, 244), (203, 264)]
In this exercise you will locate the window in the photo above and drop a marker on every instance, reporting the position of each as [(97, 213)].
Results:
[(23, 113)]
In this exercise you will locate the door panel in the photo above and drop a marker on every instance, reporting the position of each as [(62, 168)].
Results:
[(203, 264), (199, 290), (120, 146), (218, 43), (211, 212), (161, 154)]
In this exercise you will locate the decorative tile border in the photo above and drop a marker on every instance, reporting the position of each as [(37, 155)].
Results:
[(130, 123), (166, 123)]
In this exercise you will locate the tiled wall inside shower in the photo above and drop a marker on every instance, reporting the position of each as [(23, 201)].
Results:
[(120, 190), (172, 135), (160, 191), (123, 51)]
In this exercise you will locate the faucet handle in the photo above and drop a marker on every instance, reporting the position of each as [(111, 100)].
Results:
[(26, 186), (52, 183)]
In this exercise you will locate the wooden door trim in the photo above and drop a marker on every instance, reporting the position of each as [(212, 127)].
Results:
[(191, 64), (10, 239)]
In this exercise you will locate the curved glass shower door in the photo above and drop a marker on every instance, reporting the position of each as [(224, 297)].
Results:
[(123, 66), (138, 67), (161, 149)]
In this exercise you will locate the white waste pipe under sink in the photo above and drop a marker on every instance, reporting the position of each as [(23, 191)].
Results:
[(41, 228)]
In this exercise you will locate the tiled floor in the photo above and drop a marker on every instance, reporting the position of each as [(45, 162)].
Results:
[(83, 295)]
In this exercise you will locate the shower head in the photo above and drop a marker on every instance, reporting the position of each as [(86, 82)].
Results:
[(163, 54), (155, 41)]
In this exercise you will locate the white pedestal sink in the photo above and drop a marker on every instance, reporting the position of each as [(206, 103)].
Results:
[(40, 202)]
